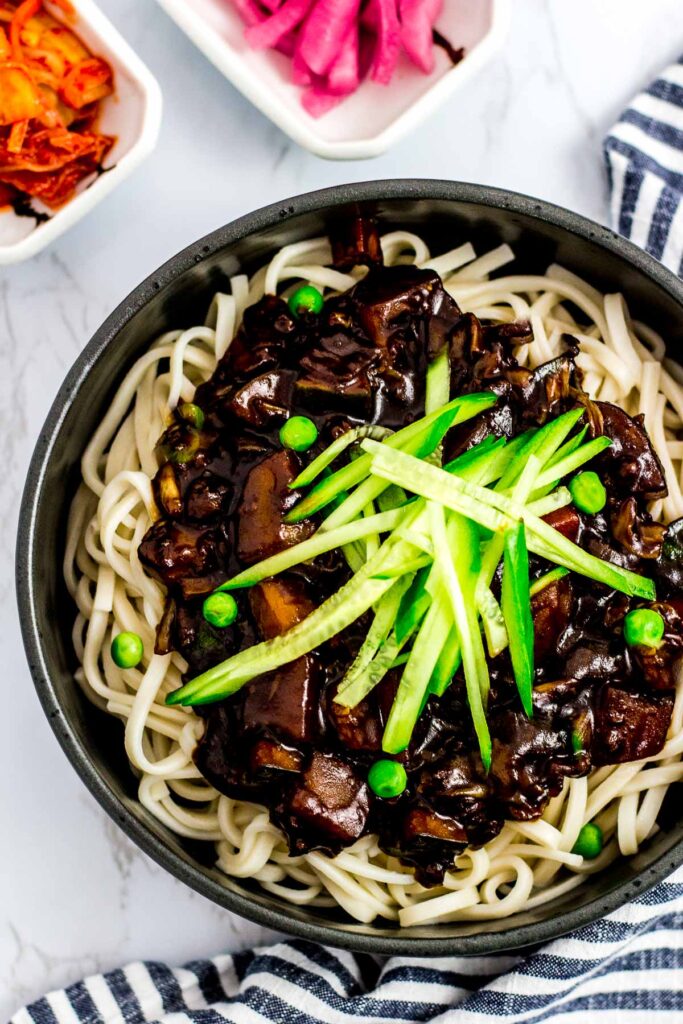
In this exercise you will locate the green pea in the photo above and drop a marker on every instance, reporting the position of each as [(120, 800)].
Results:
[(220, 609), (589, 841), (127, 650), (643, 627), (191, 413), (387, 778), (306, 299), (299, 433), (588, 492)]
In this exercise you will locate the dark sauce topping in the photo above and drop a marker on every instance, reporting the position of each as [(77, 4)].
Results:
[(223, 490)]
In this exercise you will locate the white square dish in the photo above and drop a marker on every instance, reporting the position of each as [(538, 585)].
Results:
[(375, 117), (132, 114)]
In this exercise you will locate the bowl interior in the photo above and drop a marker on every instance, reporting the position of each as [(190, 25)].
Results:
[(122, 115), (177, 296)]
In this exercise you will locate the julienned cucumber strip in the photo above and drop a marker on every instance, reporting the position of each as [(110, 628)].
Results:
[(414, 605), (409, 567), (562, 452), (463, 536), (543, 506), (354, 558), (316, 545), (516, 605), (414, 535), (554, 434), (418, 438), (477, 502), (492, 620), (334, 615), (382, 624), (447, 665), (390, 498), (490, 471), (372, 540), (438, 388), (414, 683), (481, 463), (486, 459), (543, 444), (459, 584), (386, 659), (333, 451), (497, 634), (569, 446), (400, 660), (544, 581), (472, 464), (570, 463), (371, 488)]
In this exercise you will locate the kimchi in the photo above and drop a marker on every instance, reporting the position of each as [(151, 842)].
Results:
[(51, 88)]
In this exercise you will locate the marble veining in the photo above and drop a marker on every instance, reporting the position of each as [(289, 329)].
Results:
[(75, 895)]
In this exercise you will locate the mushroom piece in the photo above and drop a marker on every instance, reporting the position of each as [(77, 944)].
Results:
[(205, 497), (355, 242), (263, 342), (339, 372), (358, 728), (331, 799), (631, 457), (629, 726), (286, 700), (266, 399), (530, 760), (396, 308), (266, 498), (551, 609), (636, 532), (454, 777), (184, 556), (669, 568)]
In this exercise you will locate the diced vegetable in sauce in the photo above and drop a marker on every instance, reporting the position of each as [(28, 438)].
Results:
[(526, 672)]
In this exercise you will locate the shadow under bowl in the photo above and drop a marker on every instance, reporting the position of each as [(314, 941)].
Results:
[(177, 296)]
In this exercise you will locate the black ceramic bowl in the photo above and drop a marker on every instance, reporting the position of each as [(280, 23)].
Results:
[(446, 213)]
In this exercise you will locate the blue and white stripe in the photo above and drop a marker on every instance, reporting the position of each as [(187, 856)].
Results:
[(627, 968), (644, 154)]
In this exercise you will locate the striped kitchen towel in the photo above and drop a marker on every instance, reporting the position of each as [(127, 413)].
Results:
[(644, 154), (626, 968)]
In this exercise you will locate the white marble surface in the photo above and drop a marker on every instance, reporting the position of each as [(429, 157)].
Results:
[(75, 895)]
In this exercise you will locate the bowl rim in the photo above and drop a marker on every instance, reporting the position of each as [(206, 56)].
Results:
[(124, 58), (28, 581), (304, 129)]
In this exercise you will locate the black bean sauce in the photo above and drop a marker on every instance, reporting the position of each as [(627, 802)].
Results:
[(223, 490)]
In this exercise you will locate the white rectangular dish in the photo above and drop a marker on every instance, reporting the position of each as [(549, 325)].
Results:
[(132, 114), (376, 116)]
